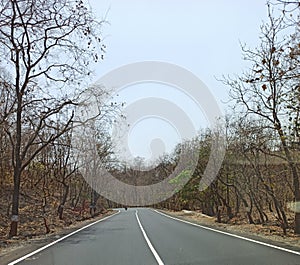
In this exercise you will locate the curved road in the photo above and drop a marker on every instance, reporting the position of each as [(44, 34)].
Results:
[(142, 236)]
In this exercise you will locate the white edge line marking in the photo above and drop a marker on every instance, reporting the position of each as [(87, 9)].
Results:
[(232, 235), (158, 259), (58, 240)]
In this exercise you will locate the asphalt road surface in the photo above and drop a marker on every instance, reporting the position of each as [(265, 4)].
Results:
[(142, 236)]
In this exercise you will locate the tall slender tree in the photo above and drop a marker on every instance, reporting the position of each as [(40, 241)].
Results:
[(48, 47)]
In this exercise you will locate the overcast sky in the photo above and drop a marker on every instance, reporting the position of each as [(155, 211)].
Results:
[(201, 36)]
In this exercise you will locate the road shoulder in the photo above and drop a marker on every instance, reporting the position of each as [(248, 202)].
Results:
[(291, 243), (19, 249)]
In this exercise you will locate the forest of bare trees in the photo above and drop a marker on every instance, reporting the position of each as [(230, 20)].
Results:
[(260, 173), (46, 57)]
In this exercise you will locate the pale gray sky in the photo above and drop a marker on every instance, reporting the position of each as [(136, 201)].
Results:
[(201, 36)]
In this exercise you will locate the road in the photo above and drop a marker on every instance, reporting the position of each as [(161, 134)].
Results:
[(142, 236)]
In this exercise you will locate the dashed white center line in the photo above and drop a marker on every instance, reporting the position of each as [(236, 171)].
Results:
[(157, 257)]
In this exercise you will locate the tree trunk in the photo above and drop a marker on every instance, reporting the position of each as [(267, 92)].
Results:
[(17, 171), (44, 214), (297, 222), (63, 201), (248, 209), (15, 205), (75, 200), (293, 168), (259, 208)]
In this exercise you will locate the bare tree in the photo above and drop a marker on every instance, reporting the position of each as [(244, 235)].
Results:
[(266, 88), (65, 167), (48, 46)]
